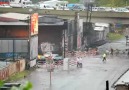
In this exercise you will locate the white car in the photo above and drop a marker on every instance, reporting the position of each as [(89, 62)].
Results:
[(121, 10), (78, 7), (46, 6), (31, 6), (62, 8)]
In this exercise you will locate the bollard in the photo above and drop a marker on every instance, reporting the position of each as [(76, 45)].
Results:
[(107, 85)]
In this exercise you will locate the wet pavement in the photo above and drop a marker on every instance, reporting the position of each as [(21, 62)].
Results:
[(92, 76), (119, 44)]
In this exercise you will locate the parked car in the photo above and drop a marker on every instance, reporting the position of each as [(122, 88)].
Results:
[(40, 60), (120, 9), (58, 59), (45, 6), (62, 8), (79, 7), (35, 6)]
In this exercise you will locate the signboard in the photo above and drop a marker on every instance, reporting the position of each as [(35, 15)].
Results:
[(33, 47), (34, 24)]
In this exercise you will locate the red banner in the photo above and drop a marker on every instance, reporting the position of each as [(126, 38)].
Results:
[(34, 24)]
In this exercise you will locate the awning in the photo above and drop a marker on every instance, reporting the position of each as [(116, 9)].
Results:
[(99, 28), (102, 24), (13, 23), (17, 16), (52, 24), (20, 19)]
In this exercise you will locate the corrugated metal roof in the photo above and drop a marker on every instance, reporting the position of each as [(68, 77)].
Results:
[(43, 20), (24, 23), (49, 24), (13, 23), (18, 16), (49, 19)]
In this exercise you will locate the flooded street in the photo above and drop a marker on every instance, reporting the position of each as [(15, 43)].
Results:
[(92, 76)]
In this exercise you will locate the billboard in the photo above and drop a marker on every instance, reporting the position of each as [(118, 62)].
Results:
[(34, 24)]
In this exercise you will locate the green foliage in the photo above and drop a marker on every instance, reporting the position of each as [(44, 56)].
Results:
[(18, 76), (26, 86), (112, 3), (73, 1), (1, 83), (70, 1), (114, 36)]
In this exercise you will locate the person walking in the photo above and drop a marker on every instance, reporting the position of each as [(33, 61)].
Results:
[(112, 51), (104, 57), (79, 62), (128, 53)]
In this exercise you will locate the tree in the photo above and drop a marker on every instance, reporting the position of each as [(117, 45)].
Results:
[(112, 3), (26, 86)]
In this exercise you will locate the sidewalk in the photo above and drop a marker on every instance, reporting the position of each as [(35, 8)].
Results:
[(122, 78)]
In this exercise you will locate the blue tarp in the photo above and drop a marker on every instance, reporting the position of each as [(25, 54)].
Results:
[(10, 55), (70, 5)]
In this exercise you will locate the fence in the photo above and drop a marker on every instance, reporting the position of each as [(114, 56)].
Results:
[(90, 52), (12, 68)]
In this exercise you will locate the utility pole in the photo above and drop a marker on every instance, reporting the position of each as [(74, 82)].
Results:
[(87, 27), (29, 38), (64, 43), (77, 29)]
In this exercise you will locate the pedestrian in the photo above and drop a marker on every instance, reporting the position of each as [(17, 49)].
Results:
[(79, 62), (104, 57), (112, 51), (128, 53), (117, 52)]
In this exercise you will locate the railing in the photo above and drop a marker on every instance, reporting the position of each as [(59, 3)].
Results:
[(12, 68)]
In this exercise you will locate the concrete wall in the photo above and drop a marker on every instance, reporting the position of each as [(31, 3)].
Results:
[(12, 68)]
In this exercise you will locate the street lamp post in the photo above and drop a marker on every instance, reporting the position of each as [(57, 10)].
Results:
[(88, 4), (64, 43)]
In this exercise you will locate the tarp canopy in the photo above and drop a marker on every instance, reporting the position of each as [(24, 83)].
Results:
[(99, 28), (18, 16), (102, 24), (22, 19), (13, 23)]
